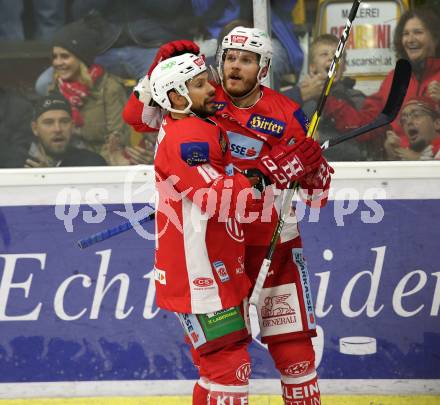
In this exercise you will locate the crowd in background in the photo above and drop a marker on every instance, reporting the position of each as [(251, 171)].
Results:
[(100, 48)]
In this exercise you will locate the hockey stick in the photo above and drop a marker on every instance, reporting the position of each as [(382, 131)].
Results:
[(108, 233), (399, 85), (100, 236), (310, 133), (401, 78)]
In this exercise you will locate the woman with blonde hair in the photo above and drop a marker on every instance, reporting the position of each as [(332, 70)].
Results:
[(97, 97)]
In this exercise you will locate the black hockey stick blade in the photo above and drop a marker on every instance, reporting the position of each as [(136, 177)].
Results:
[(399, 86)]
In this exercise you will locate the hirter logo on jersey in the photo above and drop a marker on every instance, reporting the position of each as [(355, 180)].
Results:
[(266, 125), (239, 39)]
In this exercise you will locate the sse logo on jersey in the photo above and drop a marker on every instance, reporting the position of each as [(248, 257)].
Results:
[(243, 147), (266, 125)]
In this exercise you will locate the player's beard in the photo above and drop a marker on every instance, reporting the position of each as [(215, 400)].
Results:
[(247, 88), (204, 111)]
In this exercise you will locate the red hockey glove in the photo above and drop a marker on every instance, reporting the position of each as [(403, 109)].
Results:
[(316, 185), (287, 163), (173, 48)]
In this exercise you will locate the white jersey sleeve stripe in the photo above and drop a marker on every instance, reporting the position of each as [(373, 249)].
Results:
[(204, 297)]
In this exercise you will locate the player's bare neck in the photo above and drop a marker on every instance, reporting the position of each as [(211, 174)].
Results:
[(249, 100)]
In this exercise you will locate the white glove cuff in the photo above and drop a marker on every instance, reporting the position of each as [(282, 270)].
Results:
[(142, 90)]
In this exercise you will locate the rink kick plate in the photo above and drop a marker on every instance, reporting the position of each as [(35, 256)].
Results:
[(254, 400)]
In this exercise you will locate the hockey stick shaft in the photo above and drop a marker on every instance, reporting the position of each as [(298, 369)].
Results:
[(333, 69), (397, 93), (117, 230), (310, 133)]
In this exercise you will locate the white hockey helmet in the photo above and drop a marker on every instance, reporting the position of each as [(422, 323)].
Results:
[(252, 40), (172, 74)]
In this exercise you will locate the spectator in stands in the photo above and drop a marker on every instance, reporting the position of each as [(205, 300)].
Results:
[(15, 134), (131, 32), (97, 97), (308, 91), (48, 18), (420, 119), (417, 39), (53, 126)]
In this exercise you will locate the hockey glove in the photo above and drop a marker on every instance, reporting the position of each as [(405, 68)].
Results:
[(173, 48), (316, 185), (287, 163), (142, 91), (259, 180)]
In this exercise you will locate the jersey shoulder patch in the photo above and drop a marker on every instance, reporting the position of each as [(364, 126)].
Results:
[(302, 118), (195, 153)]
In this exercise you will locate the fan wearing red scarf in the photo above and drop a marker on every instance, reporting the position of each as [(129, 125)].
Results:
[(97, 98)]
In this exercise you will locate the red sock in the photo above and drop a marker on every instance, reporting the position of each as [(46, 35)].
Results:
[(200, 394), (301, 390)]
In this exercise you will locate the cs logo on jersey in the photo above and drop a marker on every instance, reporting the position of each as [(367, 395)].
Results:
[(203, 282), (195, 153), (266, 125)]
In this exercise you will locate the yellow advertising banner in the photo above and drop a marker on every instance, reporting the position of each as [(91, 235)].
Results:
[(369, 49)]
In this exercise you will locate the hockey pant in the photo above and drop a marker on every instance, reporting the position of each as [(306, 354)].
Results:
[(219, 345), (287, 319)]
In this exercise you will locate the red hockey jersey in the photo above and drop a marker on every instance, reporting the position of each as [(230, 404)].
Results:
[(252, 132), (199, 262)]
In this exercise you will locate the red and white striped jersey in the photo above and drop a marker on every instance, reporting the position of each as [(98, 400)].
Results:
[(199, 261)]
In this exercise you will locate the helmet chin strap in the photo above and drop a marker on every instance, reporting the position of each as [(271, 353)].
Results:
[(186, 110)]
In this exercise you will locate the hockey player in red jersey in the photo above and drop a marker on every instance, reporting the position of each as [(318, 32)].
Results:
[(260, 123), (201, 280), (199, 262)]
